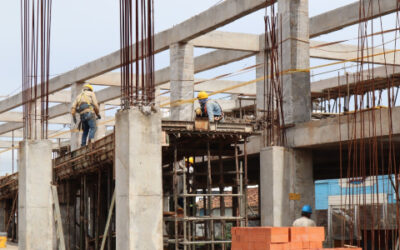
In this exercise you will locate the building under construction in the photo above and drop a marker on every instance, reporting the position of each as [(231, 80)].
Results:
[(158, 177)]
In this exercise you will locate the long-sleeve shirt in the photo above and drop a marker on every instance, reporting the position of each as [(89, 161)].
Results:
[(86, 96), (213, 109)]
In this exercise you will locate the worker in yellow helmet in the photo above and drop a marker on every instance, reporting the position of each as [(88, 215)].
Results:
[(190, 173), (209, 108), (88, 108)]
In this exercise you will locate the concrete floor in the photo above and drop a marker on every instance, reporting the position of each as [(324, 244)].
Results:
[(11, 246)]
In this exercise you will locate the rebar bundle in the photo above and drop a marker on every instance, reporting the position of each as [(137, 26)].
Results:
[(364, 155), (35, 46), (273, 85), (137, 60)]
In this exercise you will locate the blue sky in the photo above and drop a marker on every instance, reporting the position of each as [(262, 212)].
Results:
[(86, 30)]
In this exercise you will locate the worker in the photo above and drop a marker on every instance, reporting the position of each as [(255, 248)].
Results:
[(88, 108), (190, 173), (209, 108), (304, 220)]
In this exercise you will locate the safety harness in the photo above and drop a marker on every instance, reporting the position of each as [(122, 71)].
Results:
[(84, 105)]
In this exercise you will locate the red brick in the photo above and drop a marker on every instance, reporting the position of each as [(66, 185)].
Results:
[(316, 233), (307, 234), (279, 246), (315, 244), (278, 234), (296, 245), (258, 246)]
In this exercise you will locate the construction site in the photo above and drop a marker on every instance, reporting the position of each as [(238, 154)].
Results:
[(314, 122)]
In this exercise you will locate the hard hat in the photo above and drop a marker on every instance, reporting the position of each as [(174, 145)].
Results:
[(202, 95), (306, 209), (88, 86), (190, 160)]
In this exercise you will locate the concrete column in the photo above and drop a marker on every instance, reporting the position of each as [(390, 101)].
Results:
[(139, 199), (284, 171), (296, 56), (35, 212), (76, 136), (101, 128), (182, 80)]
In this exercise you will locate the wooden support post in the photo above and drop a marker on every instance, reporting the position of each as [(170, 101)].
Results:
[(184, 206), (245, 182), (221, 198), (68, 219), (57, 217), (109, 201), (175, 183), (109, 217), (236, 209), (209, 187), (97, 227), (82, 215)]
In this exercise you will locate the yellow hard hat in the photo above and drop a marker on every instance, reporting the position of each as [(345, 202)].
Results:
[(88, 86), (190, 160), (202, 95)]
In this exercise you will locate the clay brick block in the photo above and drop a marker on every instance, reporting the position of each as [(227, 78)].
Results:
[(307, 234), (278, 234), (315, 244), (316, 233), (258, 246), (279, 246), (258, 236), (296, 245)]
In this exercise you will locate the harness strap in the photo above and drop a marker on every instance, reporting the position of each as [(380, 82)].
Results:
[(86, 100)]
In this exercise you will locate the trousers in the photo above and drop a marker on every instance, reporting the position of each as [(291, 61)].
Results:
[(89, 127)]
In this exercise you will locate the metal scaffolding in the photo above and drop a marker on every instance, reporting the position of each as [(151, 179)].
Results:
[(205, 183)]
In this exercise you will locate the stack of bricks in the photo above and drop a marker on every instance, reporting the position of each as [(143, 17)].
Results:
[(277, 238)]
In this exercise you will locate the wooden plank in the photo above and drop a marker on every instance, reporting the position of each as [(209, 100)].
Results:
[(57, 216)]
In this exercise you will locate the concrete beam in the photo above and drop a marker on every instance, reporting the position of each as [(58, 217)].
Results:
[(61, 96), (348, 15), (326, 131), (13, 116), (250, 43), (342, 52), (8, 144), (228, 40), (319, 87), (19, 134), (113, 79)]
